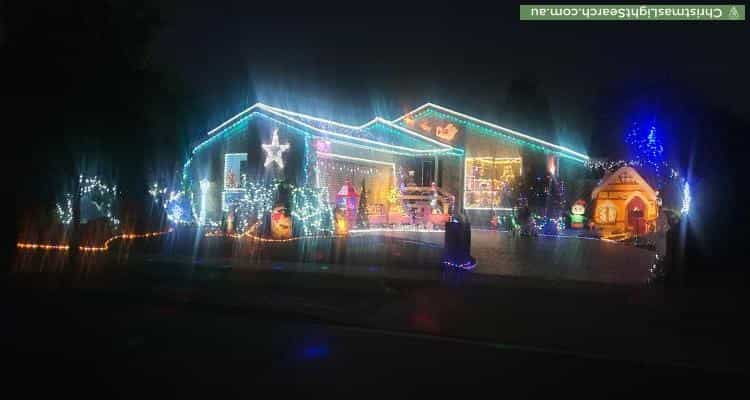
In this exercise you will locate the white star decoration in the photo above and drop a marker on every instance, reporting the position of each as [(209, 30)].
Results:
[(274, 150)]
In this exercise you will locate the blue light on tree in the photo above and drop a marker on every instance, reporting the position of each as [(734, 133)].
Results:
[(646, 146), (686, 199)]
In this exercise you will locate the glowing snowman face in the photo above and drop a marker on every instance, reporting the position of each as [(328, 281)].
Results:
[(578, 209)]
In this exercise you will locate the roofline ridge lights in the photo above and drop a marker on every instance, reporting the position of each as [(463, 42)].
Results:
[(292, 114), (357, 128), (341, 135), (409, 131), (502, 128)]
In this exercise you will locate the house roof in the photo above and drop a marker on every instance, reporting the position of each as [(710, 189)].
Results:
[(388, 135), (624, 176), (378, 134), (431, 109)]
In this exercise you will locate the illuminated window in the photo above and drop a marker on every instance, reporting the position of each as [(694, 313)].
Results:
[(606, 214), (233, 182), (232, 170), (488, 181)]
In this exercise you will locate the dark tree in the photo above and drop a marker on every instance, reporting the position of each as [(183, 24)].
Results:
[(82, 97), (363, 218)]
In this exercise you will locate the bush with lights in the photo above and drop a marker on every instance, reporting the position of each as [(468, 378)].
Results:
[(98, 200)]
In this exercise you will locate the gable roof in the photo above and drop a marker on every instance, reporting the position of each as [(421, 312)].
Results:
[(378, 134), (637, 180), (431, 109), (388, 136)]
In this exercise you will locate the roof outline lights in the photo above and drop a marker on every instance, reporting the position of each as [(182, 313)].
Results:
[(360, 127), (230, 120), (292, 121), (393, 124), (334, 140), (498, 127), (411, 132), (240, 116), (314, 118), (414, 111), (341, 135)]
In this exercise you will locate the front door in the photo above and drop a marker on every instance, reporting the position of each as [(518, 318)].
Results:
[(428, 172), (636, 212)]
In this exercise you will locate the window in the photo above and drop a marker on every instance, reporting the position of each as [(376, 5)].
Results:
[(488, 180), (234, 164), (233, 170), (606, 214)]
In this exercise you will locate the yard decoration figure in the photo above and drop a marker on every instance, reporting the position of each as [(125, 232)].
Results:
[(281, 223), (230, 221), (342, 224), (347, 200), (577, 218), (494, 223), (363, 217)]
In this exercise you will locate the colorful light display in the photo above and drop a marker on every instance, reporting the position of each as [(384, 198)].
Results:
[(548, 225), (105, 247), (493, 129), (311, 208), (95, 193), (487, 181), (646, 147), (418, 141), (230, 128)]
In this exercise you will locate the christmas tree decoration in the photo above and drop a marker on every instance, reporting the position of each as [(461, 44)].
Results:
[(256, 202), (363, 218), (312, 211), (646, 147), (395, 204)]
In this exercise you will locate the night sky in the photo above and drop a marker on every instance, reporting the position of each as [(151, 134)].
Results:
[(354, 67), (131, 87)]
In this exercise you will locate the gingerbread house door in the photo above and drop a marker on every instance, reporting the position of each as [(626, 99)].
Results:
[(636, 210)]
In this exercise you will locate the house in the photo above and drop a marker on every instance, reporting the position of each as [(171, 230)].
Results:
[(431, 157), (624, 204)]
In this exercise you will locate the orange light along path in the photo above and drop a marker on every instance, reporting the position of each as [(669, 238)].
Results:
[(249, 234), (105, 247)]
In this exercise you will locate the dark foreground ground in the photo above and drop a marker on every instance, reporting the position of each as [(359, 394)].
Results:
[(187, 325), (119, 346)]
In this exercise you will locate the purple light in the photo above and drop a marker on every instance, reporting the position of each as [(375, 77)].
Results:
[(319, 351), (323, 146), (468, 265)]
